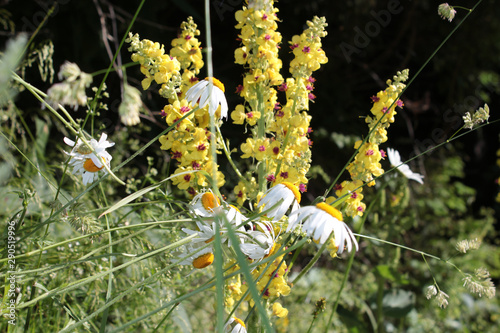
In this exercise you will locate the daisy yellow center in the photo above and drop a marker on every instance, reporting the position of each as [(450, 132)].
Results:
[(89, 165), (330, 210), (209, 201), (217, 83), (239, 321), (294, 189), (204, 260)]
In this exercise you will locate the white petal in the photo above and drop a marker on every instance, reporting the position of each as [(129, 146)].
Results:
[(69, 142)]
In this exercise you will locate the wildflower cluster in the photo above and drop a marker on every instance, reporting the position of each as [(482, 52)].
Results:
[(279, 139), (130, 106), (446, 11), (468, 244), (260, 236), (71, 91), (189, 140), (156, 65), (366, 164), (480, 116), (480, 283)]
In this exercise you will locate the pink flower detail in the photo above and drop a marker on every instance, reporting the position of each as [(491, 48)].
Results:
[(283, 87), (195, 165)]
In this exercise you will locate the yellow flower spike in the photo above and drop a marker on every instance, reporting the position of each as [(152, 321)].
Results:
[(279, 310)]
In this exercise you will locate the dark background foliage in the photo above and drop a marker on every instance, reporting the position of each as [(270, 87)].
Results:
[(367, 42)]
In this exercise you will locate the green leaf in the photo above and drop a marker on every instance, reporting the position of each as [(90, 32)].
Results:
[(397, 303), (181, 319), (390, 274), (354, 323)]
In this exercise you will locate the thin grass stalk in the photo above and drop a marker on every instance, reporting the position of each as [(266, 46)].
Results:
[(81, 282), (104, 318), (351, 261), (402, 92), (179, 299), (219, 277), (55, 245), (242, 262)]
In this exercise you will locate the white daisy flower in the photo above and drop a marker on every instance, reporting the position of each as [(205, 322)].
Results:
[(206, 204), (197, 258), (200, 93), (236, 219), (235, 325), (259, 244), (203, 204), (205, 233), (320, 221), (395, 160), (279, 199), (88, 163)]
